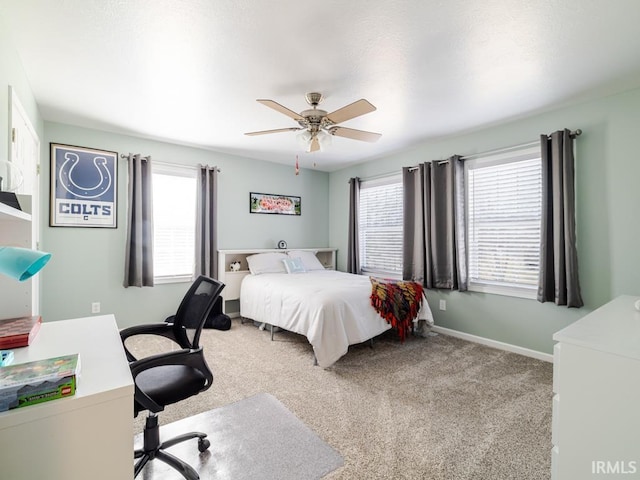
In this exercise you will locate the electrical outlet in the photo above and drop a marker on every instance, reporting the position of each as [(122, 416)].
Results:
[(95, 307), (443, 304)]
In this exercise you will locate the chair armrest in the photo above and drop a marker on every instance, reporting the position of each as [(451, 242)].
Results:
[(184, 357), (160, 329), (164, 329)]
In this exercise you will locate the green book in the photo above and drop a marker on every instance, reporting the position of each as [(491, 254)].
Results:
[(25, 384)]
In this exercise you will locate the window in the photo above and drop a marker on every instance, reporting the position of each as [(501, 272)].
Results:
[(504, 196), (174, 223), (380, 226)]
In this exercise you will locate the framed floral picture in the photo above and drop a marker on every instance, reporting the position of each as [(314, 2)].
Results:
[(274, 204)]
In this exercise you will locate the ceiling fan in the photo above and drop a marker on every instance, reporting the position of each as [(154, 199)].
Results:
[(317, 125)]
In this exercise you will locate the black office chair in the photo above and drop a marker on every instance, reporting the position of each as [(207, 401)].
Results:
[(171, 377)]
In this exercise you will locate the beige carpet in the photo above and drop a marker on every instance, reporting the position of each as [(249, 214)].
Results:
[(431, 408)]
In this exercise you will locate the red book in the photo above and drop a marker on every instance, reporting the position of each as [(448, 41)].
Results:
[(19, 332)]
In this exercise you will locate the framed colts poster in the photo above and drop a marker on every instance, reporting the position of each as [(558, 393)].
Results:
[(84, 185)]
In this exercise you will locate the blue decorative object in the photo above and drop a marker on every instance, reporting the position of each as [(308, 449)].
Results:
[(6, 357), (22, 263), (294, 265)]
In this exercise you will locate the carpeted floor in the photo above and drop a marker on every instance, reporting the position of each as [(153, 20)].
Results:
[(436, 408)]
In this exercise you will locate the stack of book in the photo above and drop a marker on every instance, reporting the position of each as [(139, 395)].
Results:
[(25, 384), (19, 332)]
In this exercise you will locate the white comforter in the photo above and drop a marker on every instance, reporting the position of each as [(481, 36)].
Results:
[(332, 309)]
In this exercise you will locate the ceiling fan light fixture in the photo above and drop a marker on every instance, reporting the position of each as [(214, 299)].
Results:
[(324, 140), (304, 139)]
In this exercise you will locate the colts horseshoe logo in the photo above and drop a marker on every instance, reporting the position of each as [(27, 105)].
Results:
[(84, 191)]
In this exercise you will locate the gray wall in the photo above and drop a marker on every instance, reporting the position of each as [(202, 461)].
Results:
[(608, 222), (88, 263)]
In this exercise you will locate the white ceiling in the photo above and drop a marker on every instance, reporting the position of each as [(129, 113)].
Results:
[(189, 71)]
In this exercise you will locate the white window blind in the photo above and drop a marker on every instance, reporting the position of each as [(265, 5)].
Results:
[(380, 226), (503, 222), (174, 222)]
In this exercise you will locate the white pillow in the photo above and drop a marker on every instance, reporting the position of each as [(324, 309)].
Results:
[(294, 265), (266, 263), (309, 259)]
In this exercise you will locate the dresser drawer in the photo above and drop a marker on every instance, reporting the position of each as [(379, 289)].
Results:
[(556, 366), (555, 419)]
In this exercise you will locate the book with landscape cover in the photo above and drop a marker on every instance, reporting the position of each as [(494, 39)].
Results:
[(25, 384), (19, 332)]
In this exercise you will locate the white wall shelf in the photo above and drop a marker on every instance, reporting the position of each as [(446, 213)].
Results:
[(16, 298), (10, 214)]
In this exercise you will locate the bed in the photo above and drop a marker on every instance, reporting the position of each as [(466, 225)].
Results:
[(331, 309)]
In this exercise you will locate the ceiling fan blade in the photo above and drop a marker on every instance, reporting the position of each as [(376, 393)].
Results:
[(279, 108), (315, 145), (277, 130), (350, 111), (355, 134)]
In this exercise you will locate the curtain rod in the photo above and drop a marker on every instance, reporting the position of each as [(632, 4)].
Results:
[(179, 165), (572, 134), (376, 177), (122, 155)]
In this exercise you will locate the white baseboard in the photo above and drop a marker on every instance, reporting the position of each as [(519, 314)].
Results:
[(547, 357)]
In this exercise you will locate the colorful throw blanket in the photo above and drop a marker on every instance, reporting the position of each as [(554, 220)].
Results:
[(397, 301)]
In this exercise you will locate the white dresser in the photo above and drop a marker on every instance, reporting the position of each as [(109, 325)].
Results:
[(596, 406)]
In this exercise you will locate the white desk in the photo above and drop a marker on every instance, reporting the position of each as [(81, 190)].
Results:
[(89, 435)]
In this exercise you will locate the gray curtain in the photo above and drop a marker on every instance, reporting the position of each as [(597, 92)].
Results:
[(138, 267), (434, 229), (558, 281), (353, 246), (207, 222)]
